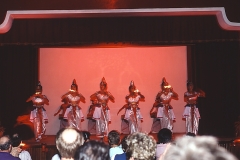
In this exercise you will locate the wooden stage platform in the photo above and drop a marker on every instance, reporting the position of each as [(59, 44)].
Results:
[(46, 148)]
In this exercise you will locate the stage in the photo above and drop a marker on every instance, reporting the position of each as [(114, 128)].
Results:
[(45, 149)]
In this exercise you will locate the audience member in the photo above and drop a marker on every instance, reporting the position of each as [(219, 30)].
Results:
[(17, 150), (124, 147), (140, 147), (5, 149), (16, 145), (93, 150), (68, 140), (197, 148), (114, 140), (164, 138)]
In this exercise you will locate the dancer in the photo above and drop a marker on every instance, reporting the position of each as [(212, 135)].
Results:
[(162, 111), (101, 112), (63, 108), (191, 113), (74, 113), (132, 113), (91, 120), (38, 115)]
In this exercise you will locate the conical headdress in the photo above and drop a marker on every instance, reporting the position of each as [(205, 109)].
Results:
[(74, 83), (164, 82), (103, 82), (39, 86), (132, 83)]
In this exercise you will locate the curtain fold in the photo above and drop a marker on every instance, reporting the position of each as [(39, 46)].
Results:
[(19, 76), (215, 70)]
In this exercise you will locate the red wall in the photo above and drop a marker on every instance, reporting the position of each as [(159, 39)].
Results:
[(119, 65)]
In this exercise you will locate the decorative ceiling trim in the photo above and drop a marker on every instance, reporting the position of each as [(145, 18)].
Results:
[(219, 12)]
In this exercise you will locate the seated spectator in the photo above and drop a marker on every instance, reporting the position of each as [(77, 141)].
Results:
[(124, 147), (16, 145), (5, 149), (197, 148), (93, 150), (164, 138), (140, 147), (17, 148), (114, 140), (68, 140)]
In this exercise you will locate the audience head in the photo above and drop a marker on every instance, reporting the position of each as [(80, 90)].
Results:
[(197, 148), (5, 144), (16, 140), (140, 147), (86, 135), (124, 143), (114, 137), (93, 150), (16, 145), (67, 142), (164, 136)]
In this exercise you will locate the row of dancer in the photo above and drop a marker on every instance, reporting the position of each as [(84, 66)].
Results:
[(162, 110), (99, 113)]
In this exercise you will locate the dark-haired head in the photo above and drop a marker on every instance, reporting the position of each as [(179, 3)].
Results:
[(16, 140), (164, 136), (114, 137), (93, 150)]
